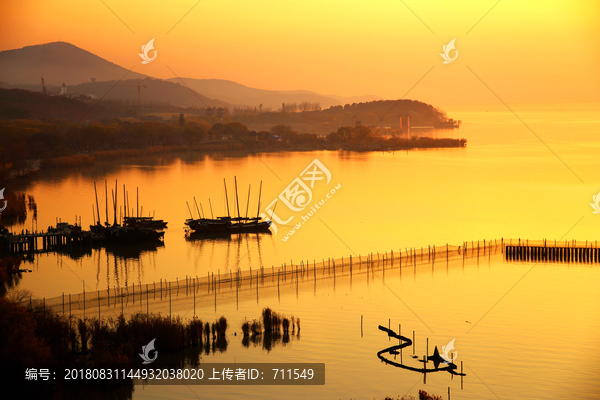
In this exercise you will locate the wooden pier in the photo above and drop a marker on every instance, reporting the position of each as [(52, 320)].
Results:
[(28, 242), (567, 251)]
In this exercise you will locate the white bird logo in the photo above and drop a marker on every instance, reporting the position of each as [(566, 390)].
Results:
[(145, 49), (595, 205), (147, 349), (6, 202), (447, 349), (447, 48)]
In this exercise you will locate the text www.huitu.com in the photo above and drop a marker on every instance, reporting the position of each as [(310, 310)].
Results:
[(313, 210)]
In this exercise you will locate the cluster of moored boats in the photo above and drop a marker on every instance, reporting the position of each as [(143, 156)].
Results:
[(139, 229)]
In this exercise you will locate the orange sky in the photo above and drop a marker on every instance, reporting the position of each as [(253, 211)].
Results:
[(533, 51)]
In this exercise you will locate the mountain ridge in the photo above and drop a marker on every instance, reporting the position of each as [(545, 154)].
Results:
[(84, 72)]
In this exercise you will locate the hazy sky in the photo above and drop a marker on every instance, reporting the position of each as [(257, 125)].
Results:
[(525, 51)]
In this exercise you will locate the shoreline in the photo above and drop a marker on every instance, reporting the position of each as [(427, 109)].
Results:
[(228, 146)]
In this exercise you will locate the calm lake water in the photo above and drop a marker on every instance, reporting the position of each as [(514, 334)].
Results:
[(511, 181)]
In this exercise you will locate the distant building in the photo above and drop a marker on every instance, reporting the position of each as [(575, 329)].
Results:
[(63, 89), (93, 80)]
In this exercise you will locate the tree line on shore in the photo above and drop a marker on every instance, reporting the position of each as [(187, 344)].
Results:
[(62, 143)]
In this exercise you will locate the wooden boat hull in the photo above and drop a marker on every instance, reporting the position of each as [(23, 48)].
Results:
[(145, 223), (127, 234), (220, 226)]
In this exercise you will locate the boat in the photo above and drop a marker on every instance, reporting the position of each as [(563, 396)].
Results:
[(128, 234), (137, 221), (116, 233), (228, 224), (144, 222)]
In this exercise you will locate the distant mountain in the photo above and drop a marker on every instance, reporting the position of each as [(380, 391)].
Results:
[(236, 93), (155, 91), (59, 62)]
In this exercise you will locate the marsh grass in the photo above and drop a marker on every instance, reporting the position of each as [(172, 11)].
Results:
[(423, 395), (246, 328), (256, 327), (267, 331)]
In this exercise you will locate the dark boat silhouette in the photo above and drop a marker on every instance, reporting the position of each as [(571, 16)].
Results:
[(144, 222), (228, 224), (116, 233), (127, 234)]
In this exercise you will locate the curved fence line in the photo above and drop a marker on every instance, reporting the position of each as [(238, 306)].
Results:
[(143, 296)]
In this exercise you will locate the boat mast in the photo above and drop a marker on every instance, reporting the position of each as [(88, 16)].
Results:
[(97, 208), (236, 196), (137, 201), (259, 193), (115, 201), (106, 198), (226, 198), (188, 204), (195, 202), (124, 203), (248, 203), (211, 213)]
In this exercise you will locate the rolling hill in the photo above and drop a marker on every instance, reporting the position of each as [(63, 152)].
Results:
[(88, 74), (236, 93), (155, 91), (59, 62)]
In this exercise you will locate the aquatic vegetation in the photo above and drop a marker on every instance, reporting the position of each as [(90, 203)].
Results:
[(256, 327), (222, 326), (246, 328), (423, 395)]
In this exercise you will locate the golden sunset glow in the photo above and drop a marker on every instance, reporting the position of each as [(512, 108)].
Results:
[(538, 51), (185, 181)]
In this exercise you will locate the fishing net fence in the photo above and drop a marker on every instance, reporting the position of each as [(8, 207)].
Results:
[(152, 297)]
